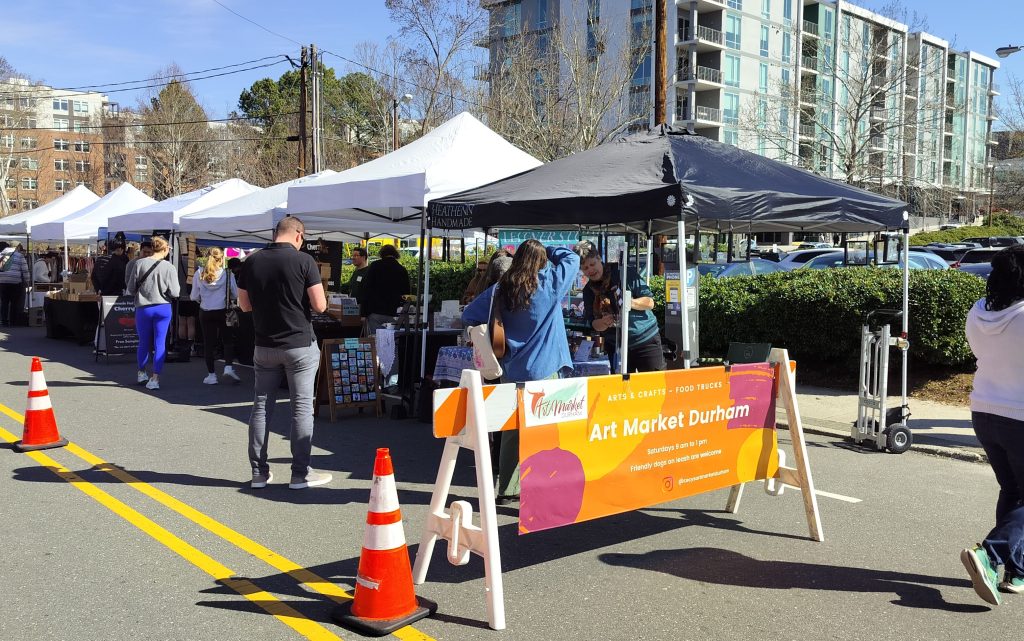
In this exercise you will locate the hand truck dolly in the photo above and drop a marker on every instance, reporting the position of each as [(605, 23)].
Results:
[(877, 420)]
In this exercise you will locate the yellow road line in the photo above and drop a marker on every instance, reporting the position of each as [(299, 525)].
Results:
[(221, 573), (268, 556)]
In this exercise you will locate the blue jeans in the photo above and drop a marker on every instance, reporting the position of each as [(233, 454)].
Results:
[(299, 366), (152, 323), (1003, 440)]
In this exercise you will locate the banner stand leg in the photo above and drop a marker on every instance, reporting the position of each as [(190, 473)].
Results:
[(732, 506), (456, 524), (799, 476)]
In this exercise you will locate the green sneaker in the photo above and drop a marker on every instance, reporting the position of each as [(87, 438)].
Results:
[(1012, 584), (983, 575)]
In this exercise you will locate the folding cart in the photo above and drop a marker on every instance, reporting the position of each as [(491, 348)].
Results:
[(877, 419)]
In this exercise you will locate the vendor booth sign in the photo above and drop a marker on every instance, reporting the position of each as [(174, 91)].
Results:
[(511, 239), (618, 445)]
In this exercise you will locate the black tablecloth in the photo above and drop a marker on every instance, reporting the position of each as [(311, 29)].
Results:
[(71, 319)]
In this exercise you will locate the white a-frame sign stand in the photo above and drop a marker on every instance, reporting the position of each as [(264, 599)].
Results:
[(498, 410)]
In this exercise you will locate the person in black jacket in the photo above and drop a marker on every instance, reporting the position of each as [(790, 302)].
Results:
[(108, 275), (385, 284)]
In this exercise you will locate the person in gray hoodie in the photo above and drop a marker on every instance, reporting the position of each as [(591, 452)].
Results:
[(154, 284), (995, 331), (13, 281)]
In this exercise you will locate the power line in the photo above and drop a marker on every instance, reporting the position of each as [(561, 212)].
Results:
[(150, 124), (273, 33), (147, 142), (43, 94), (132, 82)]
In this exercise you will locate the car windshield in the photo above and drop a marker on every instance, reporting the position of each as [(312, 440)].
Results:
[(976, 256), (711, 268)]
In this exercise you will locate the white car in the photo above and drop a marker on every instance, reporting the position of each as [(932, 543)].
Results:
[(799, 258)]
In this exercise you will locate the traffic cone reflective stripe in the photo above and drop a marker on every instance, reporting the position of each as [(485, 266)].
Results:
[(385, 599), (40, 431)]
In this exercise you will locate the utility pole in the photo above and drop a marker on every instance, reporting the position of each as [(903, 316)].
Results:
[(660, 60), (317, 155), (302, 111)]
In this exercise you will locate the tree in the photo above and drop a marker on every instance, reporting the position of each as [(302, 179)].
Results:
[(1008, 184), (350, 134), (437, 36), (18, 99), (177, 137), (558, 91)]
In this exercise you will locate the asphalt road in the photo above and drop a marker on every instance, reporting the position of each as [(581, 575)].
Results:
[(169, 545)]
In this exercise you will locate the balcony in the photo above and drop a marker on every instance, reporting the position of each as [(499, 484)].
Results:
[(703, 5), (877, 142), (992, 140), (705, 77), (709, 39), (809, 64), (709, 114), (807, 131), (482, 39), (878, 114), (810, 28), (481, 73), (993, 89), (809, 96)]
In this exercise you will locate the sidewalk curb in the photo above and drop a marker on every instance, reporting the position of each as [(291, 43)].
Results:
[(931, 450)]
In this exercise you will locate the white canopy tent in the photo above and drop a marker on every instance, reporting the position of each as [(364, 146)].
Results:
[(22, 224), (166, 214), (460, 154), (85, 223)]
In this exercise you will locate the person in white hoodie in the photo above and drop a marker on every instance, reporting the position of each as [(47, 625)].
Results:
[(213, 287), (995, 331)]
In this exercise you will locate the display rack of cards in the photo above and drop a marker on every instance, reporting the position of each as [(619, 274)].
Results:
[(348, 375)]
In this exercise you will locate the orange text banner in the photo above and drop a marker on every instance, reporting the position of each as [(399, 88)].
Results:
[(593, 447)]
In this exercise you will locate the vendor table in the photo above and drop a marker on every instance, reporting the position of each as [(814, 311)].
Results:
[(71, 319), (452, 360)]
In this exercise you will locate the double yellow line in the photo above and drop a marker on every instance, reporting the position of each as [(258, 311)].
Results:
[(272, 605)]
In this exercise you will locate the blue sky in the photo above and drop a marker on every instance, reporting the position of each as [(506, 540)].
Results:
[(73, 43)]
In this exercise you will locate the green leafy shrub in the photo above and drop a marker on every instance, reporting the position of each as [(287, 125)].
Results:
[(1002, 225), (818, 314)]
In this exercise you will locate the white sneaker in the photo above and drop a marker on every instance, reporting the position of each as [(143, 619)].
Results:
[(229, 373), (153, 384), (211, 379), (313, 479), (142, 378)]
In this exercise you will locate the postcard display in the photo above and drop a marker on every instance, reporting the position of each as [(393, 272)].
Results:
[(348, 375)]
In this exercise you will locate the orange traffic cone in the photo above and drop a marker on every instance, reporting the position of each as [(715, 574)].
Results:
[(385, 599), (40, 424)]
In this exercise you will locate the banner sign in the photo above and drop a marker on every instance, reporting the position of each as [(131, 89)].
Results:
[(511, 239), (118, 318), (603, 445)]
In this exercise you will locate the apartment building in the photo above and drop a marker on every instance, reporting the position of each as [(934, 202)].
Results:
[(825, 84), (49, 143), (124, 161)]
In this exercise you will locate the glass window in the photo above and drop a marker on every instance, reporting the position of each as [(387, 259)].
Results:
[(766, 9), (735, 4), (29, 183), (7, 141), (79, 126), (730, 108), (731, 137), (29, 163), (81, 107), (28, 143), (786, 48), (82, 145), (61, 185), (60, 164), (141, 161), (60, 144), (82, 165), (29, 203), (733, 26), (60, 124), (513, 19), (60, 104), (764, 40), (787, 12), (762, 77), (732, 70)]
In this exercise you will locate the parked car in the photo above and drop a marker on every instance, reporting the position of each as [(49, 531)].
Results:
[(949, 253), (918, 260), (797, 258), (996, 241), (981, 270), (946, 226), (975, 256), (752, 267), (813, 245)]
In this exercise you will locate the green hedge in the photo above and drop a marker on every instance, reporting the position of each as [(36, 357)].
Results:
[(1002, 225), (448, 281), (817, 314)]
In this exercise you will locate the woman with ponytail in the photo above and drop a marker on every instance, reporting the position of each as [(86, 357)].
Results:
[(154, 283), (213, 287)]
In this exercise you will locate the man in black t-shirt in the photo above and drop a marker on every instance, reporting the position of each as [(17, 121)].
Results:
[(281, 286)]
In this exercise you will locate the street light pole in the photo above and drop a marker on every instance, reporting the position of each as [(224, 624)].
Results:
[(405, 99)]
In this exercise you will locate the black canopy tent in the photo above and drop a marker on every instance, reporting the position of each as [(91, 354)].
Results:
[(666, 180), (657, 176)]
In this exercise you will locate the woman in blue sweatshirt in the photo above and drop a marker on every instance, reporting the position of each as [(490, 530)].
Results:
[(530, 297)]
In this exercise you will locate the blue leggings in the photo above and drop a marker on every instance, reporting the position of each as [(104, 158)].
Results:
[(152, 323)]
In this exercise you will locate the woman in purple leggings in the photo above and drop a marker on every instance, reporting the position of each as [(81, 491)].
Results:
[(154, 283)]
